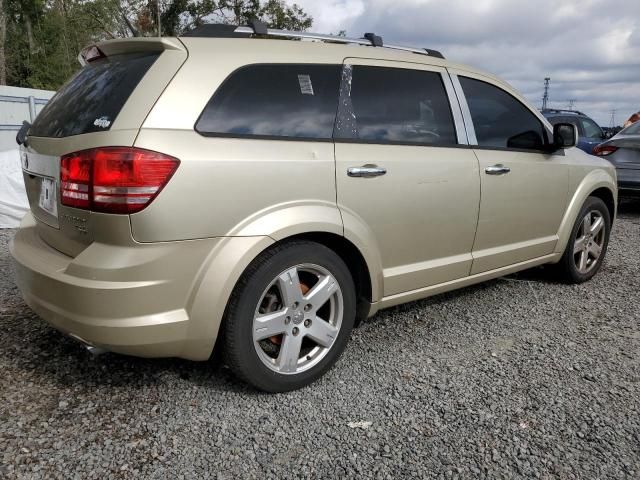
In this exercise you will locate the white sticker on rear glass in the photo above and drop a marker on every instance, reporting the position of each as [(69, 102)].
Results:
[(306, 87), (102, 122)]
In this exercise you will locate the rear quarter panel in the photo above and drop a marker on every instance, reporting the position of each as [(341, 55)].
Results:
[(234, 186)]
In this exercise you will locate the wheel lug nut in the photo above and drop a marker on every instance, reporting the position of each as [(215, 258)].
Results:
[(287, 320), (295, 305), (295, 331), (307, 307), (307, 323)]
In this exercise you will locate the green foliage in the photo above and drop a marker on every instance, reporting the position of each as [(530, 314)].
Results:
[(44, 37)]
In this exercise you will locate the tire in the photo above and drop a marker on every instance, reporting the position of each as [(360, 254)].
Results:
[(298, 296), (569, 269)]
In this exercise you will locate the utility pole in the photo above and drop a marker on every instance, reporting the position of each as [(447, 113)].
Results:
[(612, 121), (572, 103), (545, 98)]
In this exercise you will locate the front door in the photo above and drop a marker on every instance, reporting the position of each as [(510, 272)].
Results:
[(524, 188), (403, 173)]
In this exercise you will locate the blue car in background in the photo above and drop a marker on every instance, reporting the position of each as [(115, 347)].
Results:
[(589, 132)]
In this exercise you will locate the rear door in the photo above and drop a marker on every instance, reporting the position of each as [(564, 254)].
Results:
[(524, 188), (104, 104), (592, 134), (404, 173)]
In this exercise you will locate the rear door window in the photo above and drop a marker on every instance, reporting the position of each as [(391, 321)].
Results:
[(499, 119), (591, 129), (283, 100), (396, 106), (92, 100)]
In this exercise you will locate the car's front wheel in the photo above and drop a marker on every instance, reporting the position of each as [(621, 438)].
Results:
[(290, 316), (588, 243)]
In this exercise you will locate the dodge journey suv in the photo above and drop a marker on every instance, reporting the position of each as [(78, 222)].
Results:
[(264, 191)]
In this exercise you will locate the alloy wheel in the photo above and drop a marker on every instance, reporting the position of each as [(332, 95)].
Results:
[(298, 319), (589, 242)]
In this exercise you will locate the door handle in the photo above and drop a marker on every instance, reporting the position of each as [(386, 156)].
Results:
[(366, 171), (498, 169)]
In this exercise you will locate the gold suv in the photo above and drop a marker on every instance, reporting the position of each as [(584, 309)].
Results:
[(266, 190)]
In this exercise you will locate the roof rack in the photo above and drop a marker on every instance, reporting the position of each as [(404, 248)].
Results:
[(562, 110), (258, 28)]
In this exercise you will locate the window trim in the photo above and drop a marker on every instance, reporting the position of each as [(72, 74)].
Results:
[(393, 143), (454, 106), (251, 136), (471, 131)]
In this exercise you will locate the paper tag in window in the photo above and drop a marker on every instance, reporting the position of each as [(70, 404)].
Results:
[(306, 87)]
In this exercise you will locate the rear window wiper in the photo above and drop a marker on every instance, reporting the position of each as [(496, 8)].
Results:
[(21, 136)]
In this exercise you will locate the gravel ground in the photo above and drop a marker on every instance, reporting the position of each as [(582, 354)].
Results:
[(519, 377)]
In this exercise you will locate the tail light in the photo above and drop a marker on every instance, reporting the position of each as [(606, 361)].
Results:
[(604, 150), (114, 179)]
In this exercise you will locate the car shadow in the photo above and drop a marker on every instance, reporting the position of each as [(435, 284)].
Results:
[(47, 356), (629, 206)]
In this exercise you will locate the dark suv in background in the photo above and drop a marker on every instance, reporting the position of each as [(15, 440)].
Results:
[(590, 133)]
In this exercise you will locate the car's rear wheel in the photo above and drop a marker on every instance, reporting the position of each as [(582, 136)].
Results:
[(588, 243), (290, 316)]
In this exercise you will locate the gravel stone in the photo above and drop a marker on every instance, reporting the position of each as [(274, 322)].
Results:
[(520, 377)]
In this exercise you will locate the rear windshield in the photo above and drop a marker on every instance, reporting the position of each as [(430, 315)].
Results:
[(634, 129), (91, 101)]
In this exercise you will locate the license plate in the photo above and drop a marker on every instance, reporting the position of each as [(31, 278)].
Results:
[(48, 201)]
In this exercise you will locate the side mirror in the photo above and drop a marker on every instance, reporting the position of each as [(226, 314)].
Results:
[(565, 135)]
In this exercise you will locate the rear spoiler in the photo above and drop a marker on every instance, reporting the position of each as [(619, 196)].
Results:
[(128, 45)]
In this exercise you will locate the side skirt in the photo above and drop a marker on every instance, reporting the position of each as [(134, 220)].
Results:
[(421, 293)]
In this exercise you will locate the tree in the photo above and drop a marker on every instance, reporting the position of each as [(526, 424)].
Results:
[(179, 16), (3, 36), (42, 38)]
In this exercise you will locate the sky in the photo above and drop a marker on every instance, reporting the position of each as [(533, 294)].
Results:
[(589, 48)]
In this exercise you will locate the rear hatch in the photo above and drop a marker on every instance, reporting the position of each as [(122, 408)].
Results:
[(103, 105)]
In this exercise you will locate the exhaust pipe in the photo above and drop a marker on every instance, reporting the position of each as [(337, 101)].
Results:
[(95, 351), (92, 349)]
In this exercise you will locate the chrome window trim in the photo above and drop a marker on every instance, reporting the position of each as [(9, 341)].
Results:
[(456, 110), (464, 107)]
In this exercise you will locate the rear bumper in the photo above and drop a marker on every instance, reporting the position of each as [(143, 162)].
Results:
[(127, 299)]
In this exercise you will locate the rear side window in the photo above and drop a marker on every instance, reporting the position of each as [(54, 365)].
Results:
[(499, 119), (395, 105), (591, 129), (91, 101), (283, 100)]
